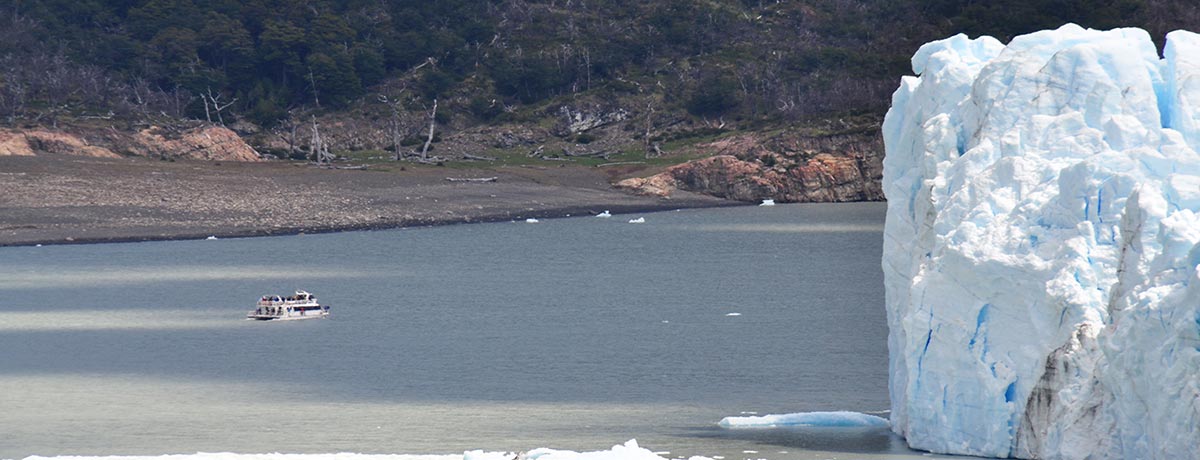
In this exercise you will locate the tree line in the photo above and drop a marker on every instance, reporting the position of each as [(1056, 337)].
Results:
[(223, 60)]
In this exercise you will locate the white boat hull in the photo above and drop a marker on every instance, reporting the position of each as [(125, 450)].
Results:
[(288, 316)]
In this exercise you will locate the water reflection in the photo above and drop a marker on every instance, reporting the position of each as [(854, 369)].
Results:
[(788, 228), (163, 318), (16, 277)]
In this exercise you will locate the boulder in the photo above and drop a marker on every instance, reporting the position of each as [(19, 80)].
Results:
[(207, 142), (65, 143), (13, 143)]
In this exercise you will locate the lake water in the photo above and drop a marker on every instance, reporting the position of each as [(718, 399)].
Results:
[(575, 333)]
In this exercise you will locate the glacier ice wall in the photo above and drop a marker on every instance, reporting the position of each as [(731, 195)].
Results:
[(1042, 243)]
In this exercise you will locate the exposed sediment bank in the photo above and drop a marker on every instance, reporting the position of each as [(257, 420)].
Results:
[(59, 199)]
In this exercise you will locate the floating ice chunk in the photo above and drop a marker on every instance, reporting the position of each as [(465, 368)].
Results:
[(733, 314), (821, 419), (604, 214), (640, 220), (628, 451), (767, 202), (531, 221), (211, 238)]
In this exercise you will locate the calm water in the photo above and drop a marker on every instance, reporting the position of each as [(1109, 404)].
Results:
[(574, 333)]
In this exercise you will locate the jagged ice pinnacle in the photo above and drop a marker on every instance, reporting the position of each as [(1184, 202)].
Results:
[(1042, 244)]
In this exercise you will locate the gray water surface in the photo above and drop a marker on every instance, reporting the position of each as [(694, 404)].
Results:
[(575, 333)]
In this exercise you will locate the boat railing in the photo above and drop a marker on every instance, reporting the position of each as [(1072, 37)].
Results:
[(270, 311)]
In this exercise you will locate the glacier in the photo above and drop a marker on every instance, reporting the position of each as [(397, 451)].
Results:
[(1041, 246)]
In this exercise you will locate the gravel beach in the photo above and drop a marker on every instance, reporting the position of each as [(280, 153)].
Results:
[(56, 199)]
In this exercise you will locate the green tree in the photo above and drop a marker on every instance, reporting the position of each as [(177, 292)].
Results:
[(226, 44), (282, 48), (328, 31), (175, 52), (714, 95), (154, 16), (369, 65), (332, 79)]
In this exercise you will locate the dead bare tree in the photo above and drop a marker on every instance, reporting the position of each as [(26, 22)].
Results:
[(15, 94), (432, 125), (217, 105), (286, 130), (313, 81), (318, 148), (652, 148), (649, 120), (178, 101), (397, 107)]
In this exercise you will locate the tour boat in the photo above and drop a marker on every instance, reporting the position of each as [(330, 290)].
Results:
[(302, 305)]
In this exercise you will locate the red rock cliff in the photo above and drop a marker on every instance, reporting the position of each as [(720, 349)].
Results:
[(787, 167), (203, 142)]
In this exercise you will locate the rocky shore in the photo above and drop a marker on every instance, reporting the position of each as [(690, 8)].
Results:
[(54, 198), (790, 167)]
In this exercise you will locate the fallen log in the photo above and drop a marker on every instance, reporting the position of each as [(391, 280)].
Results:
[(599, 153), (472, 179)]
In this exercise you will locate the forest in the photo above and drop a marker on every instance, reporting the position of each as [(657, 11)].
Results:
[(263, 61)]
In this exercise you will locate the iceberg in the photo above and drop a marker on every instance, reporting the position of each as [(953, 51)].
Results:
[(839, 419), (1041, 246)]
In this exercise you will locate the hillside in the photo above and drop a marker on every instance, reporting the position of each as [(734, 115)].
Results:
[(634, 86)]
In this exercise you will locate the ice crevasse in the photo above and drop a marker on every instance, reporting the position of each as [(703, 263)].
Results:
[(1042, 244)]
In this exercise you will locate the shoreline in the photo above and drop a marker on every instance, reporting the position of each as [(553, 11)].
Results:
[(60, 199), (557, 213)]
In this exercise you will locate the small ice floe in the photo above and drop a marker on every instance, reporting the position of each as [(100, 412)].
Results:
[(531, 221), (733, 314), (211, 237), (820, 419), (628, 451), (768, 202), (604, 214), (640, 220)]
